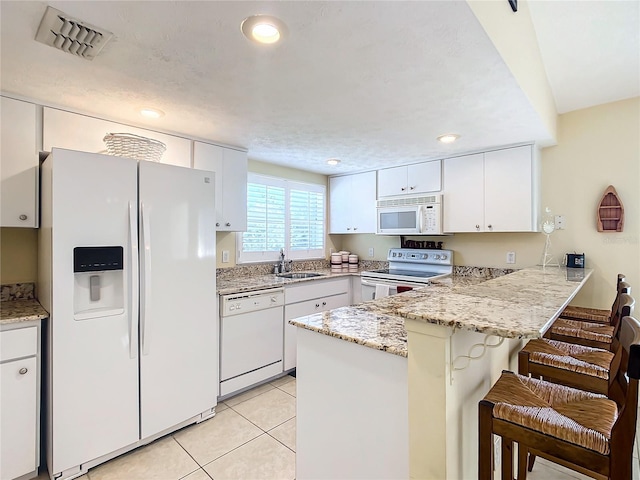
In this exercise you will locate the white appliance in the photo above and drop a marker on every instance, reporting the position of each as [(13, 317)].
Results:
[(410, 215), (408, 269), (127, 272), (251, 338)]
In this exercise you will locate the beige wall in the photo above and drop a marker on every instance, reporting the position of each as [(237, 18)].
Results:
[(596, 147), (18, 255)]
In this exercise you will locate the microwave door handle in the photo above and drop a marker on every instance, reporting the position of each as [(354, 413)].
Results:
[(421, 215)]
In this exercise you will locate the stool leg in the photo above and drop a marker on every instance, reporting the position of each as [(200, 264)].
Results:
[(522, 461), (507, 459), (485, 440)]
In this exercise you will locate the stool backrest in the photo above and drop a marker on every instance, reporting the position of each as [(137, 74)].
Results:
[(624, 430), (614, 307), (622, 287), (625, 306)]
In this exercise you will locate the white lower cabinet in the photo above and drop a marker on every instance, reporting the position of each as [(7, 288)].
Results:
[(19, 401), (307, 298)]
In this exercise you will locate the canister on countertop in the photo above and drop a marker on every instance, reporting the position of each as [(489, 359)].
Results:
[(353, 259), (345, 256), (336, 259)]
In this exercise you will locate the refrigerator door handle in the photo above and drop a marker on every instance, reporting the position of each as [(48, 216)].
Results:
[(133, 281), (145, 322)]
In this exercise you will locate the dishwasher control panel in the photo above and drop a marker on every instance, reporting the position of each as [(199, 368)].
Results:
[(250, 302)]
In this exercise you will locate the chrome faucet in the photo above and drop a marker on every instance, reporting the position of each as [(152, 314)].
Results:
[(282, 265)]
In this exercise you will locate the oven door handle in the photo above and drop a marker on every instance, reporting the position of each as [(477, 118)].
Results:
[(373, 283)]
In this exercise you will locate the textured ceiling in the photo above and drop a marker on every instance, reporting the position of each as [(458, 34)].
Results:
[(371, 83), (591, 50)]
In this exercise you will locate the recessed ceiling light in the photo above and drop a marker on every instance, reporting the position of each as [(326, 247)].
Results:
[(263, 29), (333, 161), (448, 137), (151, 112)]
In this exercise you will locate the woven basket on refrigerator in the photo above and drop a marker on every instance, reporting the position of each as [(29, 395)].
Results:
[(134, 146)]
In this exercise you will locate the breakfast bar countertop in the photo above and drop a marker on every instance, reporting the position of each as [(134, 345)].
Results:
[(22, 310), (522, 304)]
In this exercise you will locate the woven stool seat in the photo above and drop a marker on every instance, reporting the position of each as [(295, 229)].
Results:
[(563, 415), (588, 314), (586, 330), (575, 416), (567, 356)]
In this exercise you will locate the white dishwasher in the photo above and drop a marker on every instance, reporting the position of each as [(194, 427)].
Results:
[(251, 338)]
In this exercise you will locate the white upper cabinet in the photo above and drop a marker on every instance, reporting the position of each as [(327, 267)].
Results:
[(463, 199), (18, 164), (80, 132), (410, 179), (494, 191), (352, 203), (231, 183)]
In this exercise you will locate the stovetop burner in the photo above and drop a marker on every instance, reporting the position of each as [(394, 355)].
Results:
[(413, 265), (405, 273)]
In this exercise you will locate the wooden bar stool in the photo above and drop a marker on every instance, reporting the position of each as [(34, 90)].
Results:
[(590, 333), (586, 368), (583, 431), (596, 315)]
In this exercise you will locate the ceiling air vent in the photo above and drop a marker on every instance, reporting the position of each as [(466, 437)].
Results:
[(59, 30)]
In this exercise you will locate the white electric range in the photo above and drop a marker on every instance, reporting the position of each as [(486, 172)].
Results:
[(408, 268)]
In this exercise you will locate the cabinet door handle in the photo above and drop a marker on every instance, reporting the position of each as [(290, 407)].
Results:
[(227, 224), (23, 371), (217, 224), (317, 305), (403, 188), (412, 188), (324, 304), (489, 226), (348, 228), (355, 228), (23, 217), (477, 227)]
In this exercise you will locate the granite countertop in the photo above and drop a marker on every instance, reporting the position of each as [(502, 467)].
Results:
[(241, 284), (24, 310), (522, 304)]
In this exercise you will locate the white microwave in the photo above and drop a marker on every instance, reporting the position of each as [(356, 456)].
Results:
[(414, 215)]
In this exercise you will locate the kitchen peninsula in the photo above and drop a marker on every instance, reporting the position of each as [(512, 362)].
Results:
[(390, 389)]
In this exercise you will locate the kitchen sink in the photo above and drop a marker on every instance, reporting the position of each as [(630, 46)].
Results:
[(300, 275)]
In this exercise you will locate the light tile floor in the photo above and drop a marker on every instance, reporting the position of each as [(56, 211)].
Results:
[(251, 437)]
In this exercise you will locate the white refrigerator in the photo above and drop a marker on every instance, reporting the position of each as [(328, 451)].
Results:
[(127, 271)]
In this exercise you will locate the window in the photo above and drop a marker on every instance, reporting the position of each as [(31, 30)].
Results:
[(282, 214)]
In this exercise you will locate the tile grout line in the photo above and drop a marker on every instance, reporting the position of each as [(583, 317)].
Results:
[(280, 442), (200, 467), (252, 423), (233, 450)]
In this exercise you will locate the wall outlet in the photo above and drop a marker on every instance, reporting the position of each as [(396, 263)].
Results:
[(225, 256), (560, 222), (511, 257), (371, 251)]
